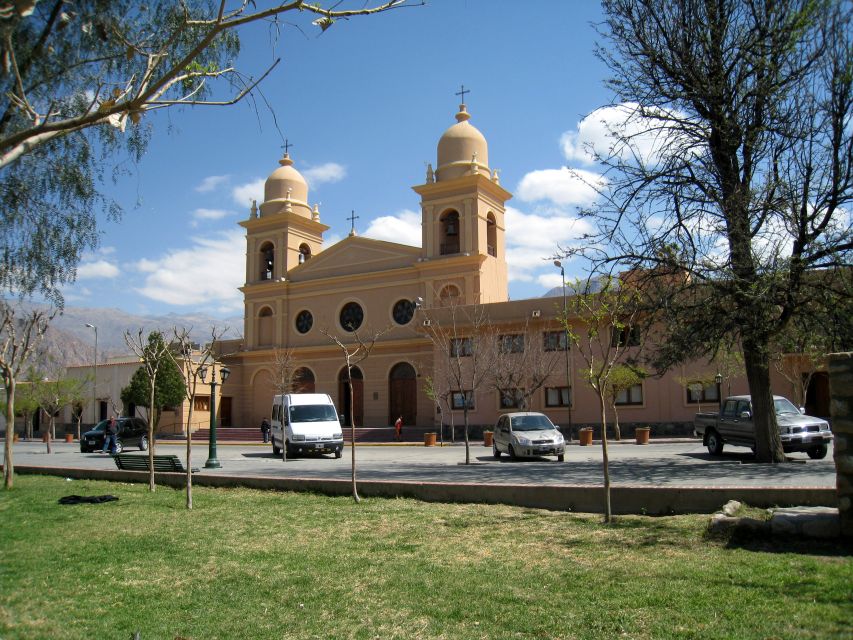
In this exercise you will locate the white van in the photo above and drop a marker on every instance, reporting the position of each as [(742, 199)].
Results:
[(306, 423)]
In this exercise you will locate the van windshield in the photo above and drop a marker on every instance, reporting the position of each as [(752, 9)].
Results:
[(312, 413)]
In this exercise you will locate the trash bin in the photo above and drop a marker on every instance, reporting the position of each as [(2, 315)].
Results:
[(585, 437), (69, 437), (642, 435), (487, 438), (429, 439)]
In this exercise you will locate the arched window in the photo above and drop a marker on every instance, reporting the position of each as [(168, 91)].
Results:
[(304, 253), (303, 380), (491, 235), (449, 296), (267, 261), (265, 327), (449, 233)]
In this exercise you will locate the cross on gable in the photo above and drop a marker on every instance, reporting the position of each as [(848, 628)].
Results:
[(462, 91), (352, 220)]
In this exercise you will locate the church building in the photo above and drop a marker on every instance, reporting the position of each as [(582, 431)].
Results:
[(299, 296)]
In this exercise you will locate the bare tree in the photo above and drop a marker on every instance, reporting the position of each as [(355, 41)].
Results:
[(604, 335), (355, 352), (522, 365), (19, 336), (728, 180), (622, 378), (151, 353), (54, 392), (466, 345), (189, 362)]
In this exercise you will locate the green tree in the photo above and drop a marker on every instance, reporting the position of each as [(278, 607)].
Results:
[(604, 337), (79, 78), (622, 378), (169, 390), (729, 182)]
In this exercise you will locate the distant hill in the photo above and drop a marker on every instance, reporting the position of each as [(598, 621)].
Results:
[(70, 342)]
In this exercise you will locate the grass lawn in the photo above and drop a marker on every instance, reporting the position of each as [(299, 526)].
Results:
[(253, 564)]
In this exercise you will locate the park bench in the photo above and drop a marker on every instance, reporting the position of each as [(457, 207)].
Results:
[(135, 462)]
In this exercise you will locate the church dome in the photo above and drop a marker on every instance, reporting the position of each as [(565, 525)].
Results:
[(286, 179), (461, 146)]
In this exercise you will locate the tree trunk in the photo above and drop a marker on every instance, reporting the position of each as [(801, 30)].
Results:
[(617, 433), (768, 444), (352, 433), (8, 466), (604, 457), (189, 453), (151, 417), (467, 449), (49, 434)]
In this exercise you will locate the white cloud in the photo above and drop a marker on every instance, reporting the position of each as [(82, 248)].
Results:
[(404, 227), (209, 214), (328, 172), (561, 186), (210, 183), (533, 238), (549, 280), (207, 273), (244, 194), (97, 269), (627, 132)]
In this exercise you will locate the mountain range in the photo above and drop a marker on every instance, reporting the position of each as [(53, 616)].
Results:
[(69, 341)]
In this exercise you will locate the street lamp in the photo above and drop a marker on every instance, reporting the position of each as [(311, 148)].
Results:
[(719, 380), (95, 375), (212, 460), (559, 265)]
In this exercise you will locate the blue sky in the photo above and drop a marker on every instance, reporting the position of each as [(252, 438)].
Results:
[(363, 105)]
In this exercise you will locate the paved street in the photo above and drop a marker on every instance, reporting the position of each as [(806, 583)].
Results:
[(671, 464)]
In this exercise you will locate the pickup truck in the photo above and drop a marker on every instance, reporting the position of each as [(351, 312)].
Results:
[(734, 426)]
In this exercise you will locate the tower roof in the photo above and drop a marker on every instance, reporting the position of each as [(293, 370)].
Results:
[(286, 181), (461, 147)]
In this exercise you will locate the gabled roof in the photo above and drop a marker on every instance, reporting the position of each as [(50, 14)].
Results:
[(355, 255)]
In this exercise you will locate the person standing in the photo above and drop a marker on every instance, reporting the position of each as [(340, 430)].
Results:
[(398, 429), (265, 430), (111, 436)]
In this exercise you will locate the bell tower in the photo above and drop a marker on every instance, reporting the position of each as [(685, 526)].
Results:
[(462, 213)]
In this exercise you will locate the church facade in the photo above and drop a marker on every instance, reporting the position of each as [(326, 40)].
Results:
[(300, 296)]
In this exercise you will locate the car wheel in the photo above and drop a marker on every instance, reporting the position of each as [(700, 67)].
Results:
[(511, 452), (561, 457), (495, 451), (818, 452), (276, 451), (143, 443), (84, 450), (715, 443), (339, 453), (119, 447)]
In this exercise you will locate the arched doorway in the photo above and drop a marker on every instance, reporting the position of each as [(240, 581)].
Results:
[(263, 390), (357, 396), (403, 394), (303, 380)]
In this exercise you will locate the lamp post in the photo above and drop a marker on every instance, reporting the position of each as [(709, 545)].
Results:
[(95, 376), (719, 380), (559, 265), (212, 460)]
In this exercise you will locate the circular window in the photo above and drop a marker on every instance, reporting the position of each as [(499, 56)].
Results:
[(304, 321), (352, 315), (403, 311)]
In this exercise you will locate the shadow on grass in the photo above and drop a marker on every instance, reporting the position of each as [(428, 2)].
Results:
[(760, 543)]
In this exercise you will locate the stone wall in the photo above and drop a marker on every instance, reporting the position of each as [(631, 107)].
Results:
[(841, 407)]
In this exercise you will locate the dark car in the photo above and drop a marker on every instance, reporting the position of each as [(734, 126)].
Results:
[(132, 432)]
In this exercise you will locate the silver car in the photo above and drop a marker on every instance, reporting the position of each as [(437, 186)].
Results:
[(527, 434)]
